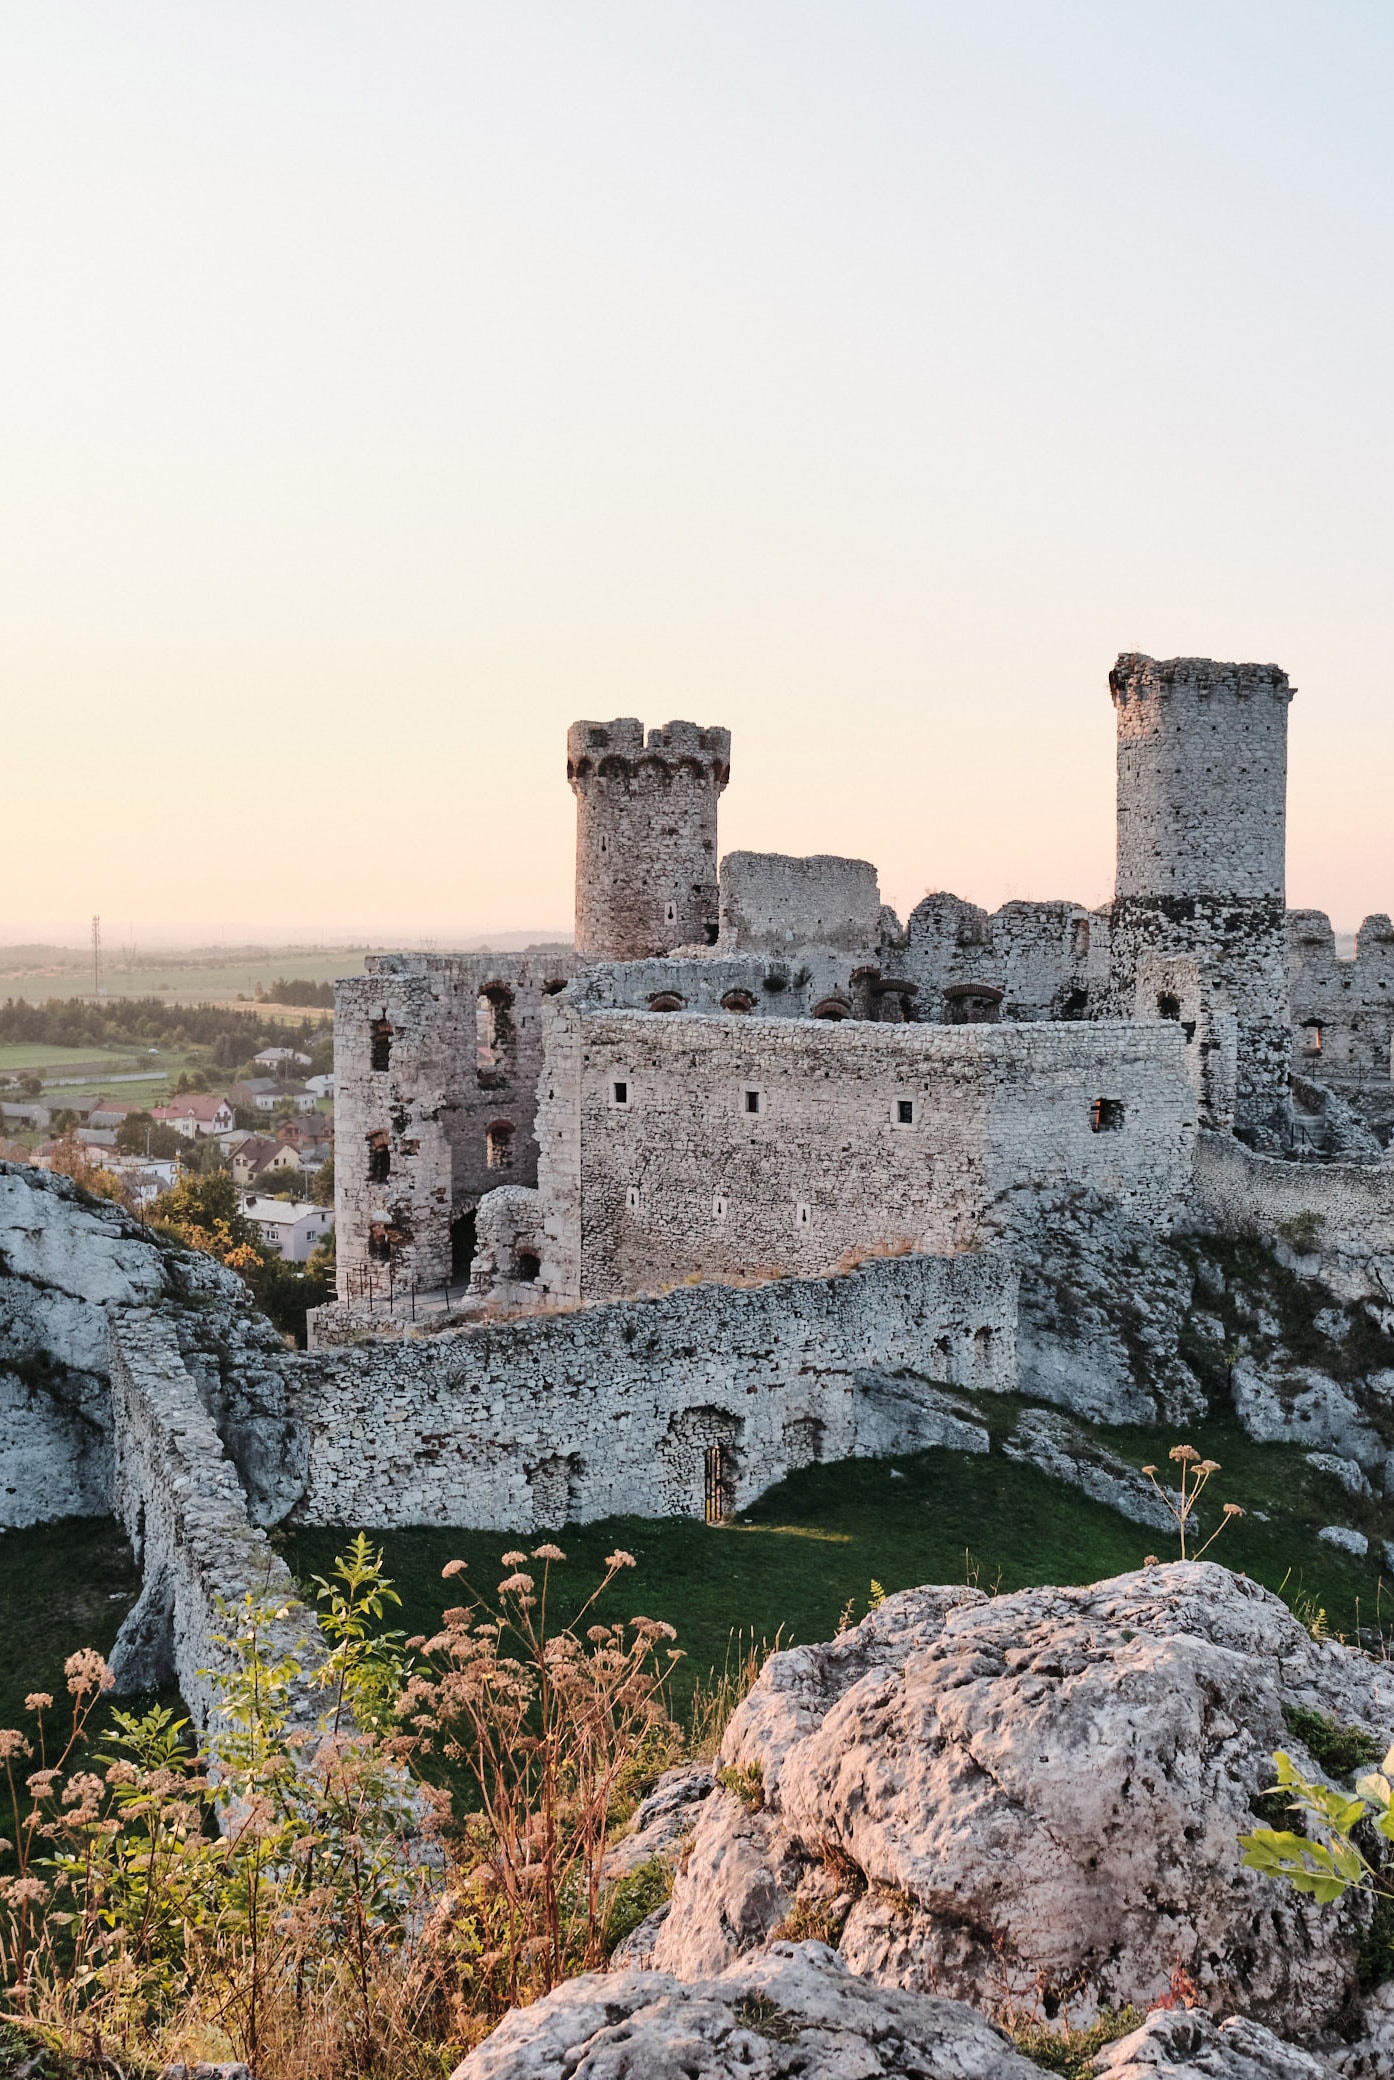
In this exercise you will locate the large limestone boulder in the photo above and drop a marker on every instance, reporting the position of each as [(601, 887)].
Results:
[(797, 2011), (1036, 1793), (1182, 2044), (68, 1263)]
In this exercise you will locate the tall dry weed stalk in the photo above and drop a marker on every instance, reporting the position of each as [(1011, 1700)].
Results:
[(297, 1892)]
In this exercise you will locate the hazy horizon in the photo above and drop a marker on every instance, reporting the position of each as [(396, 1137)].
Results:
[(383, 391)]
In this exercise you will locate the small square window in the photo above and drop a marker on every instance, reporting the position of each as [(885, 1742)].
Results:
[(905, 1112), (754, 1101), (619, 1093), (1106, 1115)]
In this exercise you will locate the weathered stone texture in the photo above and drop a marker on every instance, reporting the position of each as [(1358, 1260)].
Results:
[(1043, 1789), (68, 1264), (1347, 1209), (177, 1494), (1202, 794), (740, 1146), (436, 1063), (771, 903), (612, 1410), (798, 2012), (1022, 963), (1343, 1011), (645, 834)]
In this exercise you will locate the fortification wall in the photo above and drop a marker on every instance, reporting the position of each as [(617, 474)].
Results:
[(436, 1061), (612, 1410), (772, 903), (1023, 963), (183, 1508), (645, 834), (1343, 1011), (1241, 1193), (1202, 804), (678, 1146)]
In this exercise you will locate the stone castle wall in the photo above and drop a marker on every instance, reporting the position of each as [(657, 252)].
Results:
[(645, 834), (771, 903), (680, 1145), (436, 1063), (1202, 794), (1343, 1010), (1023, 963), (612, 1410), (177, 1495), (1346, 1209)]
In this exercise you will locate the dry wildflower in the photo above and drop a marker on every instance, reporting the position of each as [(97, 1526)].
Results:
[(86, 1671), (37, 1701), (1185, 1454), (1232, 1509), (515, 1585), (41, 1783), (12, 1742), (619, 1558), (513, 1559), (452, 1567), (548, 1553)]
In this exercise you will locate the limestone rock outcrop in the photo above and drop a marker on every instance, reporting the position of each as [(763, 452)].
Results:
[(797, 2011), (977, 1797), (1184, 2044), (1048, 1440), (67, 1262)]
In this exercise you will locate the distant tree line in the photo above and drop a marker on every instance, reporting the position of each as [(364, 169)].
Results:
[(234, 1035), (317, 996)]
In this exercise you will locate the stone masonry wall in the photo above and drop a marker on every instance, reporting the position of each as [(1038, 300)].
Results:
[(447, 1116), (1343, 1011), (645, 834), (771, 903), (1202, 804), (678, 1146), (1037, 960), (1348, 1209), (611, 1410), (177, 1494)]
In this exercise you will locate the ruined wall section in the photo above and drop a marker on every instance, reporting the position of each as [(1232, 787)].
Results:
[(679, 1146), (812, 981), (1202, 789), (773, 903), (646, 814), (1343, 1012), (178, 1497), (1340, 1215), (614, 1410), (1024, 963), (436, 1061)]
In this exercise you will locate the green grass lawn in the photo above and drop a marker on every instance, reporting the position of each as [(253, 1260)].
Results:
[(790, 1563), (62, 1586)]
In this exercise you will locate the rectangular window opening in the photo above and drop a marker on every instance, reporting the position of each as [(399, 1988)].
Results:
[(620, 1093), (905, 1112), (754, 1101), (1106, 1115)]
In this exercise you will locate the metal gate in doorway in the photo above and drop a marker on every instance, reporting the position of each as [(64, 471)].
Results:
[(717, 1484)]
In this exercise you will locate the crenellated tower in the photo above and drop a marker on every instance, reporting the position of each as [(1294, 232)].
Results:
[(1202, 812), (645, 835)]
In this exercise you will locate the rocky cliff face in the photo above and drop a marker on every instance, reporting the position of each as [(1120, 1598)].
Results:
[(66, 1262), (1038, 1792)]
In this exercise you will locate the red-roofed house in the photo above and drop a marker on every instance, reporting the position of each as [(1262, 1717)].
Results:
[(195, 1116)]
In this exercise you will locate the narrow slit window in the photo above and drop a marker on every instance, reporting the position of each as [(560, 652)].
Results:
[(619, 1093), (498, 1145), (381, 1044), (379, 1160)]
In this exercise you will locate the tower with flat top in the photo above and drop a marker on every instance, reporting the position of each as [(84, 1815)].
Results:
[(1202, 817), (645, 835)]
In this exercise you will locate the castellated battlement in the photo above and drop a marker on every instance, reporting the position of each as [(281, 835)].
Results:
[(645, 834)]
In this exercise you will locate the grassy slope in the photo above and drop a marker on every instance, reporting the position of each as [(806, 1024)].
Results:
[(794, 1559)]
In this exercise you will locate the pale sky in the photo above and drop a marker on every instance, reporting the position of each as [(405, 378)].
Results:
[(384, 387)]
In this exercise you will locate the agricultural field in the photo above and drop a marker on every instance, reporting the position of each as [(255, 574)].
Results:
[(205, 976)]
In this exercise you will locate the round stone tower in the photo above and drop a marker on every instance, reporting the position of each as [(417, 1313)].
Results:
[(1202, 814), (645, 835)]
